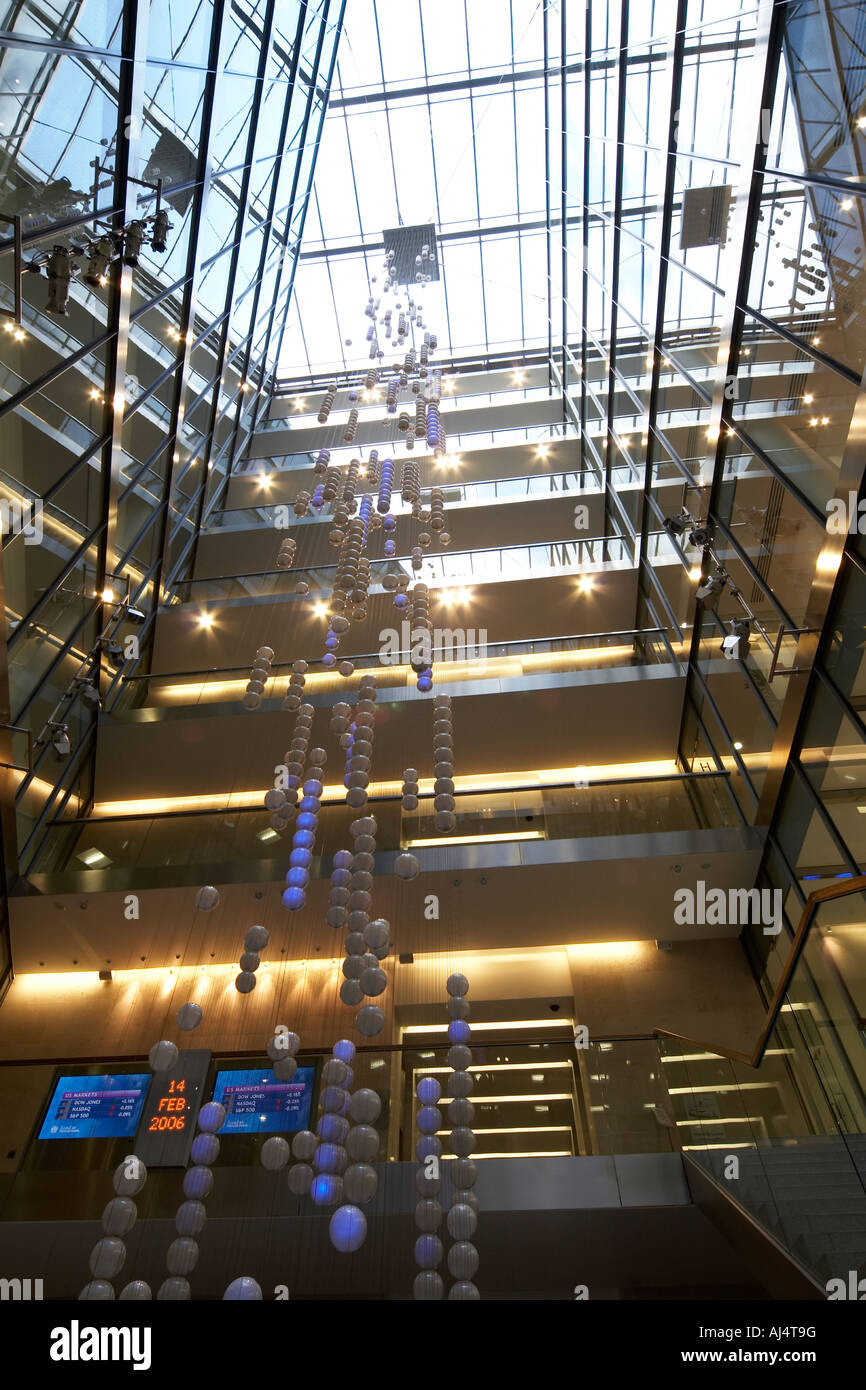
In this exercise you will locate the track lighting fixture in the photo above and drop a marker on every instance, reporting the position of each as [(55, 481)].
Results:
[(135, 615), (711, 587), (736, 645), (59, 269), (114, 652), (89, 695), (161, 229), (100, 255), (676, 525), (60, 740), (133, 240)]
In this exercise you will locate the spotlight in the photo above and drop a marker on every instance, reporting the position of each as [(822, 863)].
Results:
[(114, 652), (59, 269), (161, 229), (736, 645), (699, 535), (60, 740), (89, 695), (100, 256), (133, 239), (136, 615), (711, 587), (676, 525)]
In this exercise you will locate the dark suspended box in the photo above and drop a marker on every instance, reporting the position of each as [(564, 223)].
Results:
[(407, 243)]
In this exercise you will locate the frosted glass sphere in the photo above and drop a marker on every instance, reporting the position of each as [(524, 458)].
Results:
[(336, 917), (409, 802), (428, 1286), (330, 1158), (129, 1176), (249, 961), (190, 1218), (332, 1100), (353, 968), (182, 1256), (137, 1291), (274, 799), (429, 1119), (362, 1144), (459, 1057), (118, 1217), (326, 1189), (245, 982), (428, 1251), (334, 1072), (458, 1007), (406, 866), (462, 1291), (457, 985), (97, 1291), (256, 938), (370, 1020), (251, 700), (300, 1179), (242, 1290), (355, 943), (460, 1083), (376, 933), (162, 1056), (461, 1222), (445, 820), (207, 898), (351, 992), (463, 1260), (458, 1031), (205, 1149), (107, 1257), (346, 668), (356, 797), (275, 1153), (285, 1068), (374, 982), (428, 1214), (428, 1090), (427, 1184), (304, 1145), (461, 1112), (347, 1229), (410, 774), (462, 1141), (188, 1017), (265, 653), (429, 1145), (360, 1182), (344, 1049), (198, 1183), (211, 1117), (365, 1107), (332, 1128), (174, 1290)]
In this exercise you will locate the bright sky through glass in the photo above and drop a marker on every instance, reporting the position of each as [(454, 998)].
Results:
[(406, 140)]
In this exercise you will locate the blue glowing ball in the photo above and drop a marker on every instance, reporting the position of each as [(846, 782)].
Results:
[(307, 820), (425, 683), (428, 1090), (348, 1229), (303, 839), (309, 803), (401, 601), (297, 878), (333, 1129), (330, 1158), (429, 1119), (390, 549), (326, 1189), (300, 859), (428, 1251), (343, 1049), (313, 787), (294, 898), (390, 522), (332, 642), (428, 1145), (458, 1030), (329, 660)]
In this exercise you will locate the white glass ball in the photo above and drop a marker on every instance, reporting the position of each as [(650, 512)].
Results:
[(162, 1056), (136, 1291), (182, 1256), (360, 1182), (362, 1144), (243, 1290), (188, 1017), (459, 1057), (457, 985), (428, 1214), (275, 1153), (365, 1107), (406, 866), (97, 1291), (190, 1218), (461, 1222), (107, 1257), (370, 1020), (463, 1291), (129, 1176), (463, 1259), (256, 938), (285, 1068), (207, 898), (118, 1217), (374, 982), (300, 1179), (462, 1141), (428, 1286), (174, 1290)]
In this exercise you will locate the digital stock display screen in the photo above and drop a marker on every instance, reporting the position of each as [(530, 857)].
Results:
[(168, 1126), (257, 1103), (95, 1107)]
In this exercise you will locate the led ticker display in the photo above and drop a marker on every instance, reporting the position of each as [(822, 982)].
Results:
[(95, 1107), (168, 1125), (257, 1103)]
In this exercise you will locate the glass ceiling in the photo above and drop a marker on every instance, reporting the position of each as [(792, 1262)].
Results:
[(436, 115)]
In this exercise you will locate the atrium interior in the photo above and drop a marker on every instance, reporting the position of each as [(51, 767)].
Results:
[(433, 676)]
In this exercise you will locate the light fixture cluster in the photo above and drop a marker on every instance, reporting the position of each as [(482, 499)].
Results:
[(99, 254)]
